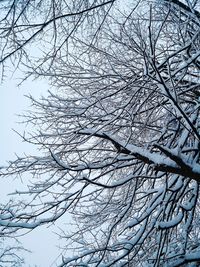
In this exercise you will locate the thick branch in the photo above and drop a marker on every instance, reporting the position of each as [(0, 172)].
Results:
[(157, 161), (184, 7)]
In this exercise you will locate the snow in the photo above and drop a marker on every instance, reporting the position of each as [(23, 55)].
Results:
[(192, 256), (168, 224)]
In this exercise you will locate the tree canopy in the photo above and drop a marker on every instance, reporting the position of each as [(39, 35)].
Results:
[(119, 136)]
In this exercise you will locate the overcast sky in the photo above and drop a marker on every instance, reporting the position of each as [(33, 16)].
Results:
[(12, 101)]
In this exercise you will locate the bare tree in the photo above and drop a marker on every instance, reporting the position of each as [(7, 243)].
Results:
[(45, 27), (11, 254), (119, 141)]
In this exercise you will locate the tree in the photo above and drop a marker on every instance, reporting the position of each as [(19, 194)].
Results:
[(119, 140), (10, 255), (45, 27)]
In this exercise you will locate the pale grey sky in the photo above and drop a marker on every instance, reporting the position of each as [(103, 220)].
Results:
[(12, 101)]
